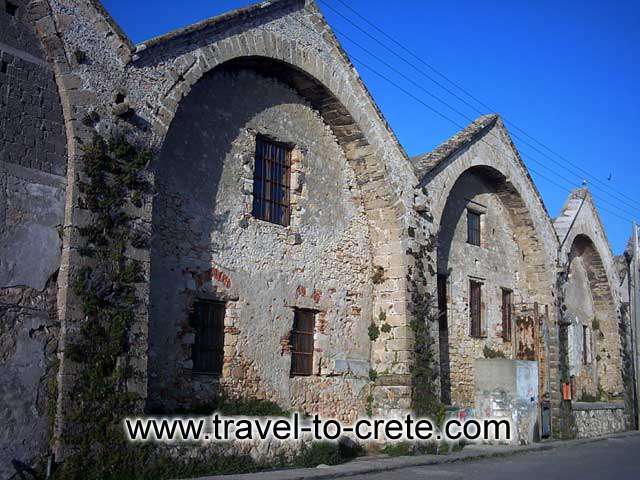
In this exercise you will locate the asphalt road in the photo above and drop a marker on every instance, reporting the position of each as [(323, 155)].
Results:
[(615, 458)]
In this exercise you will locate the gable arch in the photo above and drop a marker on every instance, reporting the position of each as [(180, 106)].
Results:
[(495, 160), (585, 251), (328, 81), (479, 171), (371, 158), (320, 72)]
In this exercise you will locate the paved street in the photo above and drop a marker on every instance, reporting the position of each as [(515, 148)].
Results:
[(615, 458)]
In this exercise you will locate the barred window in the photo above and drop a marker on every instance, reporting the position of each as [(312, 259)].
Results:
[(507, 308), (473, 228), (475, 308), (207, 319), (271, 182), (302, 342)]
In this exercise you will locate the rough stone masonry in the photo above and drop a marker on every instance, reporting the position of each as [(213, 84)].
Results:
[(369, 235)]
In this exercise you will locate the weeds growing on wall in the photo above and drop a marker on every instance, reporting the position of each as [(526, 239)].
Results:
[(106, 291), (424, 374), (248, 407), (489, 352)]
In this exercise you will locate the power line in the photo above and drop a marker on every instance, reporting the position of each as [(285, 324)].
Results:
[(614, 194), (462, 114), (442, 115)]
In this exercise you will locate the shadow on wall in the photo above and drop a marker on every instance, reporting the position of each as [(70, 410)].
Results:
[(200, 222)]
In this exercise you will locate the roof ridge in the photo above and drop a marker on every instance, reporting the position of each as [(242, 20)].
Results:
[(216, 20), (426, 162)]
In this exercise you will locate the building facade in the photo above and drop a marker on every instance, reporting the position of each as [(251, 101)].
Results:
[(262, 234)]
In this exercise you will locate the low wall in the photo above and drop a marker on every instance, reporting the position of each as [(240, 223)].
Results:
[(593, 419)]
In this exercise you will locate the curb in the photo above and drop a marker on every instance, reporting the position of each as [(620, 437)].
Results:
[(386, 464)]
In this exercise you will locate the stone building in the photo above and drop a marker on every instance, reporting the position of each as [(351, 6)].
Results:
[(496, 255), (262, 234), (595, 326)]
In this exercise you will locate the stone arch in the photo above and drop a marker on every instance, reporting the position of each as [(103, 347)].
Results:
[(520, 216), (590, 292), (521, 260), (358, 154), (495, 158), (325, 76), (348, 112)]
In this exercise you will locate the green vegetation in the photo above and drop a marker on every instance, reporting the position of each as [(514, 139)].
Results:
[(400, 449), (105, 288), (425, 398), (492, 353), (374, 332), (327, 453), (384, 326), (378, 275)]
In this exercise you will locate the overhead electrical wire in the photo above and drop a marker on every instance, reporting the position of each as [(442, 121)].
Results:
[(444, 116), (458, 97)]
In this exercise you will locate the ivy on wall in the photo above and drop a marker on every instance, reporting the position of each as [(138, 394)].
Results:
[(105, 288)]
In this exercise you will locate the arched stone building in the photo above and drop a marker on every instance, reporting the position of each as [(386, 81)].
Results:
[(284, 247), (592, 316), (206, 100), (496, 257)]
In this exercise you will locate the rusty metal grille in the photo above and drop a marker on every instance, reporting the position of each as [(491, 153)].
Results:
[(302, 342), (271, 182), (207, 319), (475, 308), (507, 310), (473, 227)]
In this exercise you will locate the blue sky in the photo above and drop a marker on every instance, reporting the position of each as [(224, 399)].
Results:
[(566, 73)]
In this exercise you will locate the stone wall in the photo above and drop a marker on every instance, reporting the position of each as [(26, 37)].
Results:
[(597, 419), (31, 125), (580, 311), (203, 222), (32, 199)]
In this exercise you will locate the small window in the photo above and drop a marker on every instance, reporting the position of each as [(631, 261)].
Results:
[(475, 308), (271, 181), (3, 66), (207, 319), (302, 342), (442, 302), (507, 309), (10, 8), (473, 228)]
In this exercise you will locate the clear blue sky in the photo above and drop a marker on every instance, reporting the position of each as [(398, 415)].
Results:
[(566, 72)]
